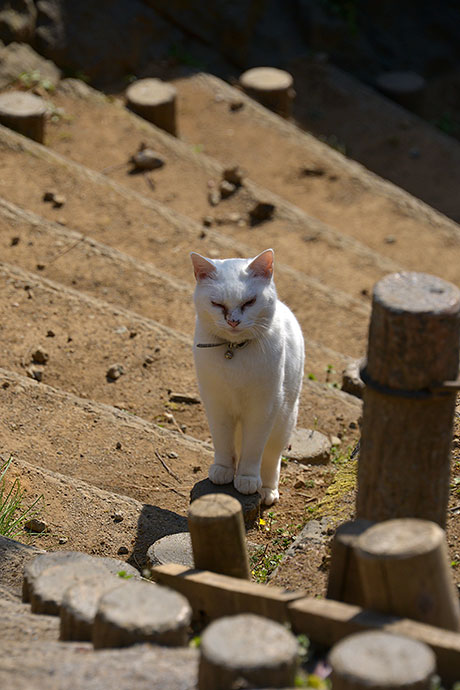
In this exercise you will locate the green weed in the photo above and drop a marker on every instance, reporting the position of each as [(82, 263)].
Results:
[(13, 514)]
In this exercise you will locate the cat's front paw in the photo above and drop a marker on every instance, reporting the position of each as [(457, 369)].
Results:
[(220, 474), (247, 484), (269, 496)]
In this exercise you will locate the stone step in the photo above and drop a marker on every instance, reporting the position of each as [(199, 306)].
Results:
[(90, 337), (343, 195), (104, 272), (146, 229)]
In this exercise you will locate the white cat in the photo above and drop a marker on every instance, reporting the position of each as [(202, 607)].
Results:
[(249, 355)]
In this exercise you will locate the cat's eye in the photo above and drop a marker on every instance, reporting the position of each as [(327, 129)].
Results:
[(249, 303), (217, 304)]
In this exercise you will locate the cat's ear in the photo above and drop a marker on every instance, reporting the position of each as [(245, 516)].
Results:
[(203, 267), (262, 265)]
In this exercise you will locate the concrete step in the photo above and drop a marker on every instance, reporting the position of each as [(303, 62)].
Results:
[(344, 195), (182, 184), (75, 260), (145, 229), (91, 335)]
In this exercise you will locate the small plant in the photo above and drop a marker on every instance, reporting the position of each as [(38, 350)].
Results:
[(34, 80), (124, 575), (13, 515)]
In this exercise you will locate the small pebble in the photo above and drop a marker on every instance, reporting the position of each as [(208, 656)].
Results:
[(236, 105), (14, 241), (117, 517), (234, 175), (34, 373), (63, 540), (118, 446), (262, 211), (207, 221), (50, 334), (390, 239), (40, 356), (36, 525), (147, 159), (122, 551), (115, 371), (226, 189), (214, 197), (58, 200)]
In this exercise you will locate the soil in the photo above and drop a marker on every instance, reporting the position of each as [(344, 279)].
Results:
[(105, 279)]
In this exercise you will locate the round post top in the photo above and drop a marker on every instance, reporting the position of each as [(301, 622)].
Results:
[(417, 293), (266, 79), (214, 506), (21, 104), (400, 538), (150, 92)]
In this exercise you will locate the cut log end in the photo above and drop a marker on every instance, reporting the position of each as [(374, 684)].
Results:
[(155, 101), (25, 113)]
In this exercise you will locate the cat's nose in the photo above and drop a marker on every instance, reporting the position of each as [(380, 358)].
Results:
[(232, 323)]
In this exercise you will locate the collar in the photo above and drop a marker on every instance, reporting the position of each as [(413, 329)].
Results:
[(231, 347)]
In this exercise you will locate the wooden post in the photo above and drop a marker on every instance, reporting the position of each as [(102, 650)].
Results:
[(218, 539), (247, 647), (344, 582), (406, 88), (155, 101), (271, 87), (382, 661), (405, 571), (23, 112), (413, 350)]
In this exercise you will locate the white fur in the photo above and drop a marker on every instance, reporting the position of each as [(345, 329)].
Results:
[(251, 400)]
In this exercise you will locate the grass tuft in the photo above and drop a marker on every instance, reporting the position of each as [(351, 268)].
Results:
[(13, 514)]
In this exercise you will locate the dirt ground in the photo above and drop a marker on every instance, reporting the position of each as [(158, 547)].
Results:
[(120, 292)]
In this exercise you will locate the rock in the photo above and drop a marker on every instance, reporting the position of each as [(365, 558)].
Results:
[(20, 60), (117, 517), (257, 650), (15, 241), (226, 189), (261, 212), (351, 379), (309, 447), (123, 550), (50, 334), (213, 197), (36, 525), (173, 548), (234, 175), (85, 37), (184, 398), (115, 371), (141, 612), (58, 201), (207, 221), (17, 21), (250, 503), (34, 373), (40, 356), (147, 159)]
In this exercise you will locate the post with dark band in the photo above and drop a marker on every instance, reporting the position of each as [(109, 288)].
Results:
[(411, 380)]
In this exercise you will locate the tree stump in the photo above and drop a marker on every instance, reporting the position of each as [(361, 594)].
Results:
[(25, 113), (218, 537), (155, 101), (404, 462), (139, 611), (405, 571), (79, 605), (344, 582), (406, 88), (271, 87), (247, 647), (382, 661)]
